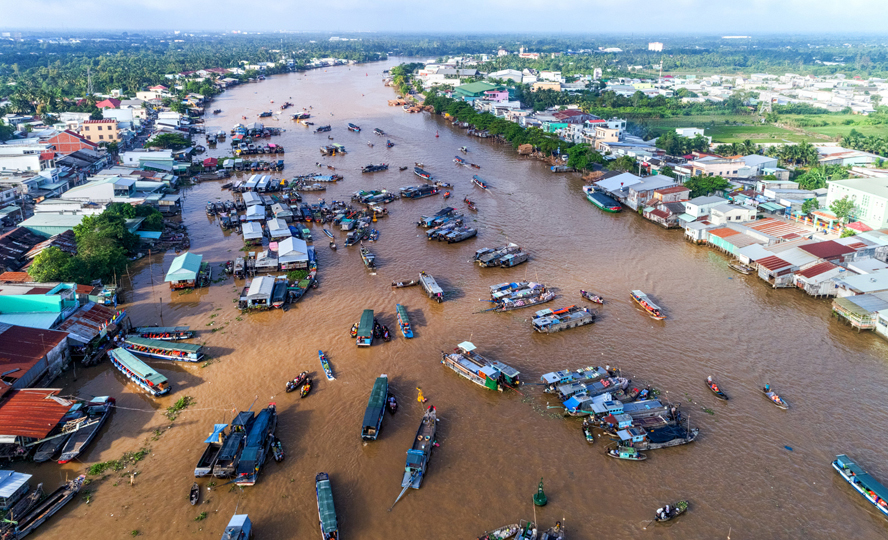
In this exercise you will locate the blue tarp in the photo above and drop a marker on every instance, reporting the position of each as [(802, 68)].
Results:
[(217, 431)]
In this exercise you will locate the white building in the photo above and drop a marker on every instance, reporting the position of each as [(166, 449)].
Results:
[(731, 213), (655, 46), (701, 206)]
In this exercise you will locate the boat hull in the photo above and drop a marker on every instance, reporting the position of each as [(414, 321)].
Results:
[(857, 487)]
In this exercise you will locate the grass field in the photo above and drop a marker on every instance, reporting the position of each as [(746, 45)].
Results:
[(757, 134)]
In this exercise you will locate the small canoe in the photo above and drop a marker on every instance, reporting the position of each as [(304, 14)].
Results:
[(194, 497), (591, 297), (328, 371), (392, 403), (590, 437), (297, 382), (675, 510), (775, 399), (328, 233), (277, 449), (507, 531), (306, 388), (716, 390), (354, 330), (400, 284), (742, 268)]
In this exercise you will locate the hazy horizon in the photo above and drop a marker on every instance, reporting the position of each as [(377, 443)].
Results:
[(649, 17)]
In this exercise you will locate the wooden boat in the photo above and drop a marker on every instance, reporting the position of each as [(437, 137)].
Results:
[(401, 284), (421, 173), (325, 365), (471, 204), (587, 432), (527, 531), (868, 487), (471, 365), (775, 399), (375, 409), (165, 350), (232, 446), (256, 446), (458, 160), (742, 268), (297, 382), (652, 309), (364, 333), (479, 182), (378, 131), (48, 507), (447, 195), (210, 455), (554, 533), (277, 450), (326, 509), (675, 510), (403, 321), (140, 373), (69, 424), (194, 496), (97, 412), (421, 451), (626, 452), (591, 297), (165, 333), (392, 403), (503, 533), (306, 388), (354, 330), (715, 389), (602, 201), (508, 304), (19, 509), (549, 321), (328, 233), (431, 287), (463, 149), (389, 144), (368, 257), (402, 168), (352, 127), (374, 168)]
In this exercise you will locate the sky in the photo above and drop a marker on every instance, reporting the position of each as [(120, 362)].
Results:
[(650, 17)]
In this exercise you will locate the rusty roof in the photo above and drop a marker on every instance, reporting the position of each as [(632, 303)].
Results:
[(88, 321), (673, 189), (817, 269), (15, 277), (777, 228), (724, 232), (21, 347), (773, 263), (31, 412), (660, 214), (827, 250)]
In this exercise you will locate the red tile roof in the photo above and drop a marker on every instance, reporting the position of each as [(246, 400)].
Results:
[(31, 412), (46, 156), (660, 214), (859, 226), (103, 121), (109, 103), (817, 269), (724, 232), (158, 87), (772, 263), (827, 250)]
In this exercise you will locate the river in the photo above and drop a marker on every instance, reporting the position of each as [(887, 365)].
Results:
[(739, 476)]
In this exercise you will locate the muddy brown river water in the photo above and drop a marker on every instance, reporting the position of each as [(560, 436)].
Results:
[(739, 476)]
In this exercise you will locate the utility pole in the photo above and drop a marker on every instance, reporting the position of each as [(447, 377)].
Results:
[(89, 84)]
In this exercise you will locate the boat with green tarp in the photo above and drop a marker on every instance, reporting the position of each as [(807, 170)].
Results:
[(404, 321), (139, 372), (326, 509), (157, 348), (375, 409), (365, 329)]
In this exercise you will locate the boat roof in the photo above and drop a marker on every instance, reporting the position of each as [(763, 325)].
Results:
[(243, 418), (11, 481), (376, 403), (164, 345), (467, 346), (506, 369), (217, 431), (237, 527), (402, 310), (863, 477), (365, 328), (162, 329), (326, 510), (141, 369), (258, 431)]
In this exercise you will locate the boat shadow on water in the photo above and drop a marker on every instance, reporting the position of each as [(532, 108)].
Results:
[(417, 319), (451, 291)]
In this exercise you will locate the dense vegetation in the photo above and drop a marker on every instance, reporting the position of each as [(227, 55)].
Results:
[(876, 144), (676, 145), (103, 245)]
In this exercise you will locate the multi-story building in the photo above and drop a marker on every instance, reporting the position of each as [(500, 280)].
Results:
[(100, 131), (870, 196)]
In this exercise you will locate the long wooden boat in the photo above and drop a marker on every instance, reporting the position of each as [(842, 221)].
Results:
[(229, 455), (69, 424), (365, 329), (675, 510), (97, 412), (214, 443), (594, 298), (774, 398), (503, 533), (715, 389), (368, 257), (479, 182), (868, 487), (325, 365), (421, 173), (353, 127), (554, 379), (508, 304), (742, 268), (430, 286), (326, 509), (401, 284), (458, 160), (19, 509), (652, 309), (469, 364), (156, 348), (626, 452), (602, 201), (139, 372), (50, 505), (550, 321), (256, 446), (165, 333), (419, 454), (403, 321), (375, 409)]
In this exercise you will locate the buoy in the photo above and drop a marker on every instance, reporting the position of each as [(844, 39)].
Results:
[(539, 498)]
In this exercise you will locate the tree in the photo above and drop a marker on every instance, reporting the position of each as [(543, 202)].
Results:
[(52, 264), (623, 163), (705, 185), (810, 205), (667, 171), (846, 232), (843, 208), (169, 140)]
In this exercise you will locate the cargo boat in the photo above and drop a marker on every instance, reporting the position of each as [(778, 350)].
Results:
[(365, 329), (374, 168), (165, 333), (602, 201), (97, 412), (326, 509), (233, 445), (214, 443), (870, 488), (430, 286), (418, 192), (375, 409), (554, 379), (419, 454), (256, 447), (403, 321), (155, 348), (140, 373), (550, 321)]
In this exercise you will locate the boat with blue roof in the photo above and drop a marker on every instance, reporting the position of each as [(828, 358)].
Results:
[(256, 446), (214, 443), (404, 321)]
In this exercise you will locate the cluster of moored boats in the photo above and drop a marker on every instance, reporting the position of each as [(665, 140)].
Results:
[(447, 225)]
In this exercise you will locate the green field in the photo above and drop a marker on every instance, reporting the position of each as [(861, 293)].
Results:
[(757, 134)]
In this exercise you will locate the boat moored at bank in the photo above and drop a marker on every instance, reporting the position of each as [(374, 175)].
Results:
[(602, 201), (165, 333), (155, 348), (139, 372)]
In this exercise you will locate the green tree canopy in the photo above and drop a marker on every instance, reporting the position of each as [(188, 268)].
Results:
[(52, 264), (843, 208), (169, 140), (706, 185)]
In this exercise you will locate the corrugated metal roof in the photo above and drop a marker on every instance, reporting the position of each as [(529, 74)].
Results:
[(22, 347), (184, 267), (773, 263), (87, 323), (776, 228), (11, 481), (723, 232), (817, 269), (864, 303), (742, 240), (827, 249), (31, 412)]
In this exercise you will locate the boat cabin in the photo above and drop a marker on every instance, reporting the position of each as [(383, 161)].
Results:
[(633, 434), (239, 528), (430, 286), (620, 421), (259, 294), (375, 409), (365, 329), (13, 485), (581, 404)]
